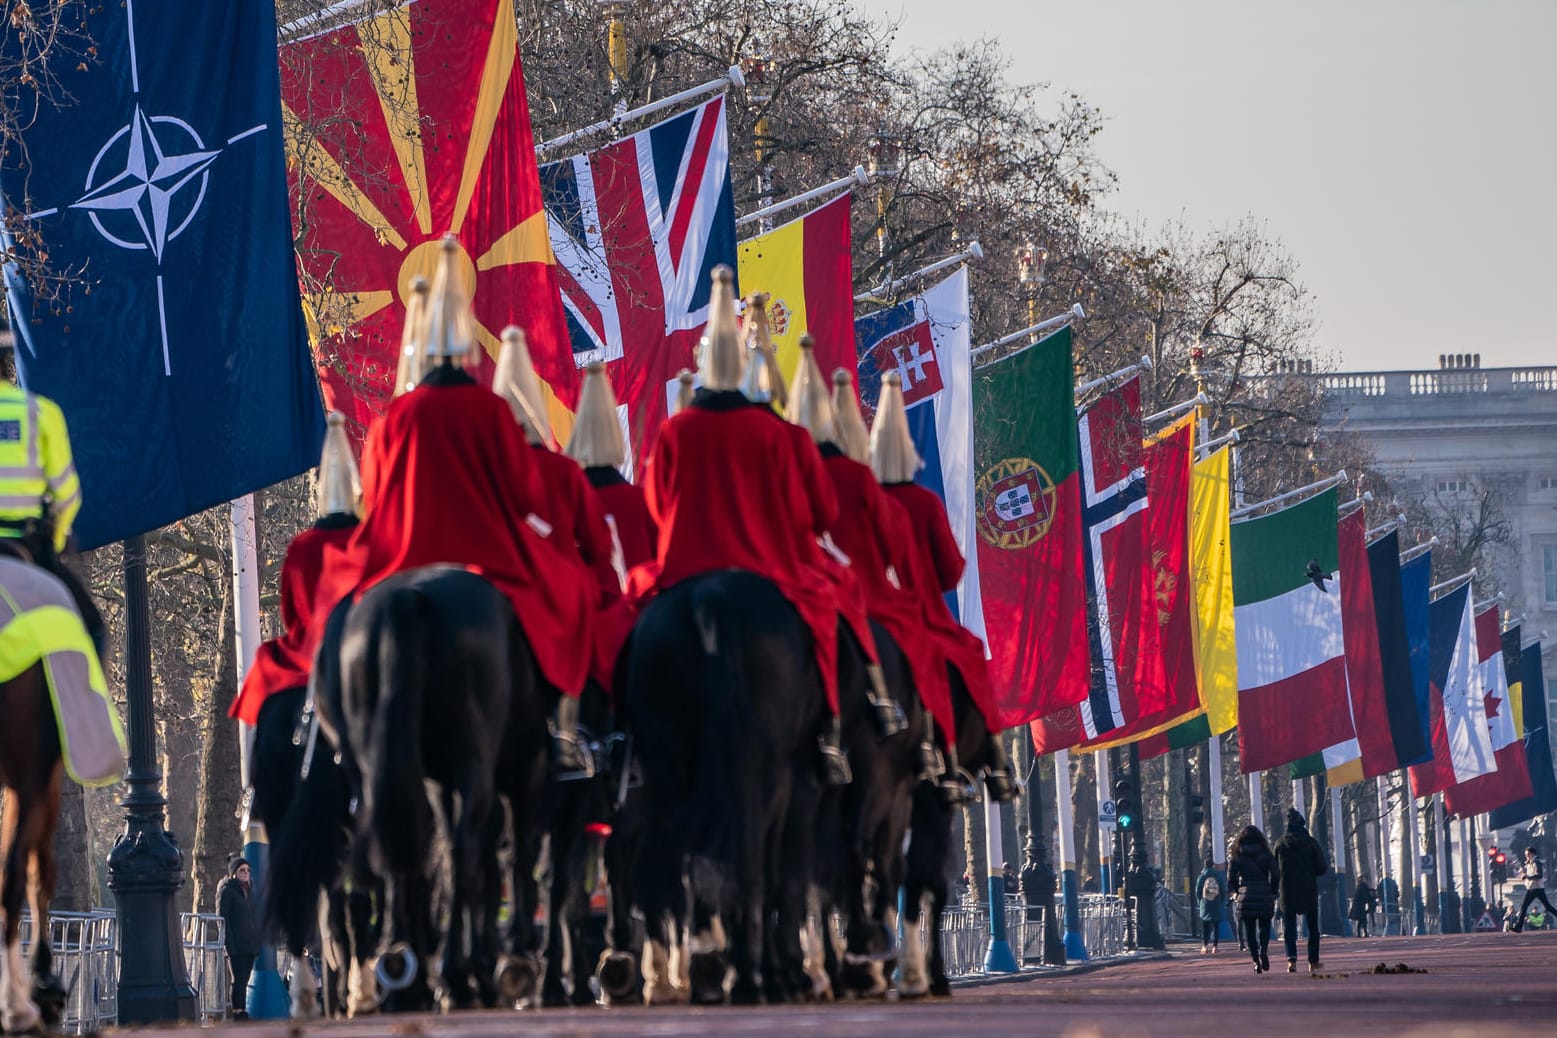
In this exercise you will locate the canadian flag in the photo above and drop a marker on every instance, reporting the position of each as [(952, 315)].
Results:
[(1511, 780)]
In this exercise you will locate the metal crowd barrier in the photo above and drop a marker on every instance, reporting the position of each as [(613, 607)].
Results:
[(86, 957), (205, 956), (1103, 925), (965, 931)]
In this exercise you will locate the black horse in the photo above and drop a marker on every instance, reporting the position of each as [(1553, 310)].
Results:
[(306, 812), (726, 703), (433, 671), (925, 889)]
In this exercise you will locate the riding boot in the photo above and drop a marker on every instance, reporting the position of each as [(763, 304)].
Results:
[(954, 786), (571, 759), (998, 778), (889, 716), (835, 763)]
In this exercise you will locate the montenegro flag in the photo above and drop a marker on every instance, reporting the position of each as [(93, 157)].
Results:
[(807, 271), (401, 128)]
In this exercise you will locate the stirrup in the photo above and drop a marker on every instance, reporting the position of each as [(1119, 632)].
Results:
[(955, 789), (932, 765), (571, 759), (1000, 784), (835, 764), (889, 715)]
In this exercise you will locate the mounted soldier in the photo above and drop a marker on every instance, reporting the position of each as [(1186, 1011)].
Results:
[(447, 477), (937, 567), (731, 487), (284, 662), (40, 493), (871, 531), (570, 517)]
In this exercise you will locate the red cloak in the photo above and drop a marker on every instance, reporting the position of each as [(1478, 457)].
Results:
[(937, 568), (731, 487), (571, 506), (447, 477), (874, 531), (624, 505), (285, 662)]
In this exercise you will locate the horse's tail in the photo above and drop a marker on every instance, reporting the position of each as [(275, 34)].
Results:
[(405, 653), (306, 851), (718, 812)]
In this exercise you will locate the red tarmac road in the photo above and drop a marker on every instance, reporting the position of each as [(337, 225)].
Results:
[(1476, 986)]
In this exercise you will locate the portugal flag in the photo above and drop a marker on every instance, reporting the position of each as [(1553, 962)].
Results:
[(402, 128), (1027, 504), (806, 268)]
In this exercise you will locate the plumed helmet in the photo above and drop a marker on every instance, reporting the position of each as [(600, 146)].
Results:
[(762, 380), (892, 454), (684, 390), (515, 381), (720, 357), (810, 403), (451, 329), (849, 431), (597, 435), (340, 487), (413, 363)]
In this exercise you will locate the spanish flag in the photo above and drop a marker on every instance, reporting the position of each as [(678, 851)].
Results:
[(806, 268)]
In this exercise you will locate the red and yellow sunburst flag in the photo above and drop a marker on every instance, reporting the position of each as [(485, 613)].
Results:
[(400, 128)]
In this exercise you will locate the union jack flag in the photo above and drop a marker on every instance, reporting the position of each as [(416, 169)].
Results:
[(637, 228)]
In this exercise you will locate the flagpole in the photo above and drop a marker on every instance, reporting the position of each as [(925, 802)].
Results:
[(1065, 812), (1105, 823), (1338, 852), (1346, 508), (1381, 793), (1029, 332), (998, 958), (887, 288), (266, 998), (1453, 582), (1419, 879), (1417, 552), (1204, 450), (1385, 527), (1144, 364), (859, 178), (1218, 828), (733, 77), (1441, 845), (1313, 488), (1176, 409)]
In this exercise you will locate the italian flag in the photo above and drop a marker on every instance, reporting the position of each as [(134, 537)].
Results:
[(1027, 509), (1292, 689)]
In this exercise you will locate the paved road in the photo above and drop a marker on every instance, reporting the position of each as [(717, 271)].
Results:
[(1477, 986)]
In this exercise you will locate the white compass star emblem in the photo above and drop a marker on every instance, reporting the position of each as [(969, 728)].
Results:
[(150, 181)]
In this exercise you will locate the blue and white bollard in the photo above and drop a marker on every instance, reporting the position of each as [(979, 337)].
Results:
[(999, 958)]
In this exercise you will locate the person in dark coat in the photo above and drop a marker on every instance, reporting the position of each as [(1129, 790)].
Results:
[(242, 938), (1251, 877), (1300, 861), (1363, 903)]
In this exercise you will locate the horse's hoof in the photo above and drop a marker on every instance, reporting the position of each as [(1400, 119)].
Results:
[(707, 977), (617, 973), (49, 995), (913, 987), (865, 979), (940, 988), (26, 1020), (516, 978), (743, 993)]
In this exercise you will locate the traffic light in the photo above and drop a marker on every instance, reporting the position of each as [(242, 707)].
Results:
[(1497, 865), (1124, 804), (1197, 809)]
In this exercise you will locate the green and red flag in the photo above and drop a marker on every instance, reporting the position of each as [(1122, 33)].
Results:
[(1027, 506), (1292, 690)]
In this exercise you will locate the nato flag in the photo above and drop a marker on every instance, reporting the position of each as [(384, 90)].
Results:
[(155, 176)]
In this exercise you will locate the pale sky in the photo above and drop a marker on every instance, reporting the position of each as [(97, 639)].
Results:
[(1402, 150)]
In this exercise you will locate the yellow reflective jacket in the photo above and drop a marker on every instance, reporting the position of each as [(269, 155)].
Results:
[(35, 462)]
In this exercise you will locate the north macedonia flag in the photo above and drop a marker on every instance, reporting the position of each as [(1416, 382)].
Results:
[(401, 128)]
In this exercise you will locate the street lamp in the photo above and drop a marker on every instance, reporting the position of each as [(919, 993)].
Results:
[(756, 69), (884, 157), (1038, 875), (1031, 273)]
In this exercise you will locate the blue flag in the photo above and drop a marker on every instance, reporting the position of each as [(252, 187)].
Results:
[(1415, 577), (1538, 747), (178, 352)]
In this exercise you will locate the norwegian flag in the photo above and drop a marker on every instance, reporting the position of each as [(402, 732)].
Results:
[(1127, 666), (637, 228)]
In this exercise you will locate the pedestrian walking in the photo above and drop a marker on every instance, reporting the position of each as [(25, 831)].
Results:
[(1363, 903), (1208, 891), (1251, 876), (232, 898), (1300, 861), (1535, 886)]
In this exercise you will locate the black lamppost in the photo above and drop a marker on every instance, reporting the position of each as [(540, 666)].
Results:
[(1141, 884), (146, 866), (1038, 875)]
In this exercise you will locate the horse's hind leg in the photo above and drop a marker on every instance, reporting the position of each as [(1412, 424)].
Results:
[(17, 1010), (47, 990)]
